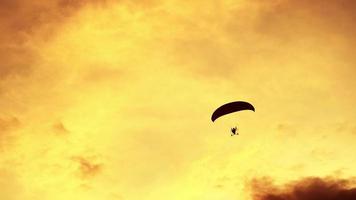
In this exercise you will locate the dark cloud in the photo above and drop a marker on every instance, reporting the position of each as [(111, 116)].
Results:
[(305, 189)]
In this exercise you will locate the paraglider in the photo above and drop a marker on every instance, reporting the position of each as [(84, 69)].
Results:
[(231, 107)]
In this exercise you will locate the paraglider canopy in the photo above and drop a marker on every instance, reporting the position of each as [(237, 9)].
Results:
[(230, 108)]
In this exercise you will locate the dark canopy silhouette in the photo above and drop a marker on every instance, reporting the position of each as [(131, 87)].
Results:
[(230, 108)]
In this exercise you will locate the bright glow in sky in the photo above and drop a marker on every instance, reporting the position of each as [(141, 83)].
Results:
[(113, 100)]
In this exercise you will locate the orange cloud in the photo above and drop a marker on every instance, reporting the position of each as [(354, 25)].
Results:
[(305, 189)]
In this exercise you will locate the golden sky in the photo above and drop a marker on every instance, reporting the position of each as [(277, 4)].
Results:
[(112, 99)]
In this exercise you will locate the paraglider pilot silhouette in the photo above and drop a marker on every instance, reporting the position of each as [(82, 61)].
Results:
[(230, 108), (234, 131)]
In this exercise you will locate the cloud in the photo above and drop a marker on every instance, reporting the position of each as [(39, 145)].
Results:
[(23, 24), (87, 167), (59, 128), (306, 189), (11, 188), (123, 82), (301, 18), (241, 39), (7, 124)]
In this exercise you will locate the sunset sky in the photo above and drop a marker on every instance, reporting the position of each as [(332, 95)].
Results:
[(111, 100)]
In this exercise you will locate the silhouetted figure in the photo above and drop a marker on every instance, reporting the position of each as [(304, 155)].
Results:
[(234, 131)]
